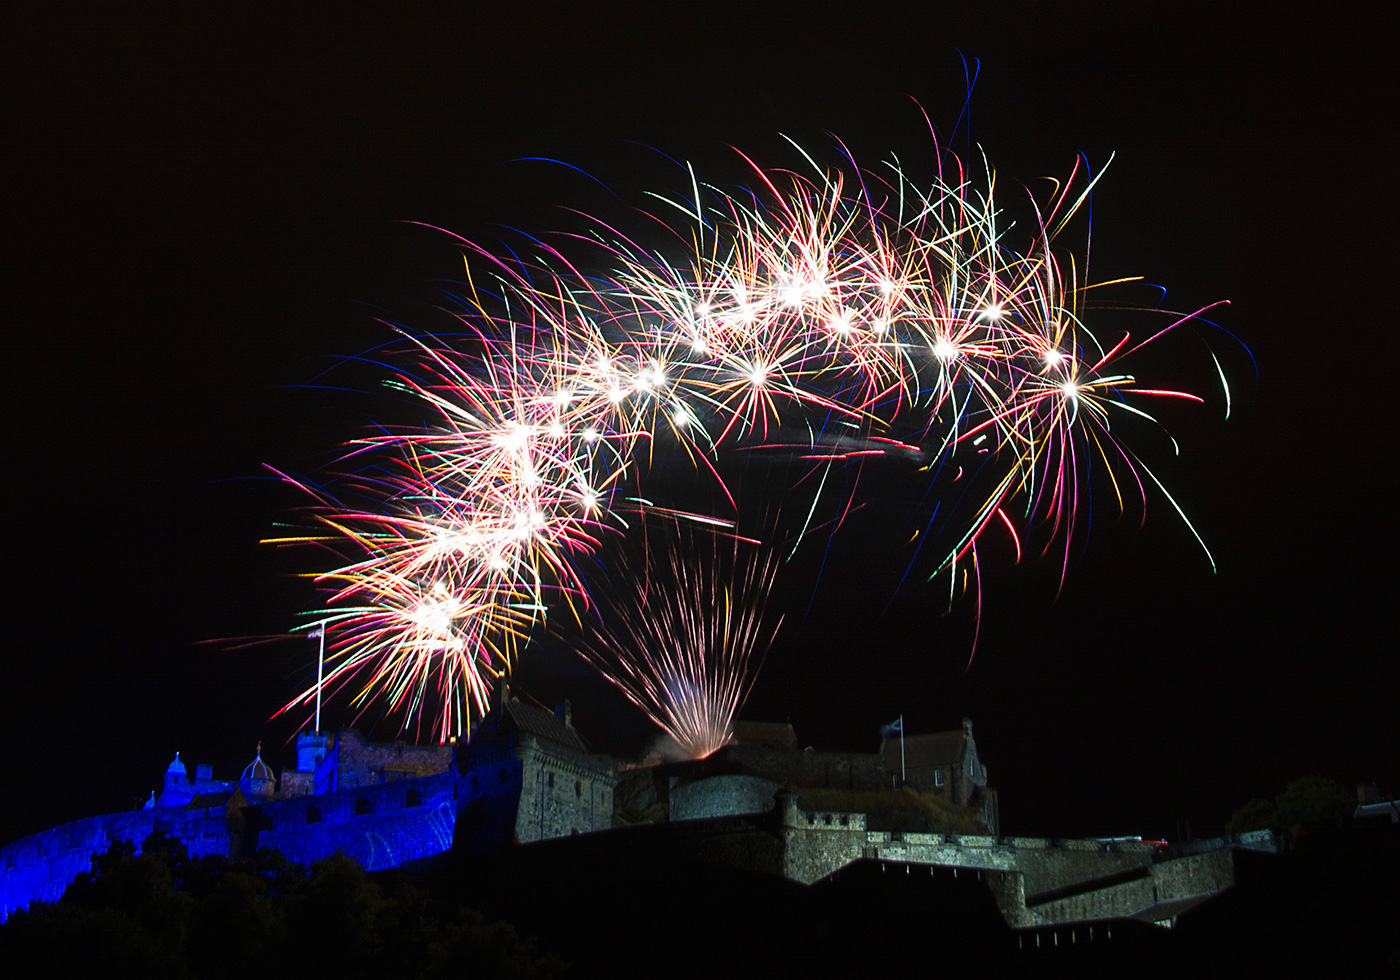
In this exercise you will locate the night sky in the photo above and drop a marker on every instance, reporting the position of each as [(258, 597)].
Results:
[(207, 213)]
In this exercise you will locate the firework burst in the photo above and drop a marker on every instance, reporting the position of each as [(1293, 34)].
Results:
[(841, 315), (681, 642)]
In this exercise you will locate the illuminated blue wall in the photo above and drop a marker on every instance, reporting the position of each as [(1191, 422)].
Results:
[(38, 868), (379, 826)]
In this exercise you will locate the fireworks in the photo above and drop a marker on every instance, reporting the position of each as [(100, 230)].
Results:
[(685, 638), (842, 315)]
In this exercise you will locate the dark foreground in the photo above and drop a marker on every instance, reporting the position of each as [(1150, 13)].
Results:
[(630, 904)]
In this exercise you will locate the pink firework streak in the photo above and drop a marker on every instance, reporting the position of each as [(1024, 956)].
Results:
[(845, 315), (681, 642)]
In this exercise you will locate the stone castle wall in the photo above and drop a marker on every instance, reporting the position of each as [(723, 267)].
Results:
[(722, 796), (860, 771), (40, 867), (351, 762), (520, 788), (1036, 881), (562, 793), (379, 826), (816, 843), (1048, 867), (490, 781)]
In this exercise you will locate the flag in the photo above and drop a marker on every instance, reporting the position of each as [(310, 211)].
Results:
[(895, 727)]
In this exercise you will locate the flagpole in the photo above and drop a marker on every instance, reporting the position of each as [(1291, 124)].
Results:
[(320, 671), (903, 776)]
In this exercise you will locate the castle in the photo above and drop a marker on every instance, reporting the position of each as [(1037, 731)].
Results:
[(527, 775)]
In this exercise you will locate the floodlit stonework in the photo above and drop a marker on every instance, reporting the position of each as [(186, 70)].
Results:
[(527, 775)]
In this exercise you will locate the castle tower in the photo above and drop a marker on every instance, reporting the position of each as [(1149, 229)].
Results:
[(528, 775), (311, 750), (177, 790), (258, 781)]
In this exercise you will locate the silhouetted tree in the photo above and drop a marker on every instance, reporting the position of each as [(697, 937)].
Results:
[(1310, 800), (1254, 815), (159, 913)]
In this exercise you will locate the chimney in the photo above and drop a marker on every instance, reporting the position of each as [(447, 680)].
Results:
[(564, 711)]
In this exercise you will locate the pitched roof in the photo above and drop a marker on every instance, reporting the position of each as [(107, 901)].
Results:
[(523, 717), (922, 751), (770, 734)]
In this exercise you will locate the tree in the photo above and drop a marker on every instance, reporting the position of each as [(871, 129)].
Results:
[(1310, 800), (1254, 815), (160, 913)]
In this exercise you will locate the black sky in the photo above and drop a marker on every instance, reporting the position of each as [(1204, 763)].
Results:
[(206, 210)]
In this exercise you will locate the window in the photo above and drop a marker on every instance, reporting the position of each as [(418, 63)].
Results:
[(938, 777), (363, 806), (578, 788), (551, 780), (474, 782), (501, 777), (415, 798)]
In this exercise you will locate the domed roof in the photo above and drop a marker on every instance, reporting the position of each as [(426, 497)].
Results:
[(258, 769), (176, 766)]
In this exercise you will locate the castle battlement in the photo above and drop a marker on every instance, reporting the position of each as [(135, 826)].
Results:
[(527, 775)]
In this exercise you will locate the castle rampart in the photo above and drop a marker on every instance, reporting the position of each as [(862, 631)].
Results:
[(722, 796), (39, 867), (529, 776), (1036, 881), (351, 761), (386, 817), (380, 826)]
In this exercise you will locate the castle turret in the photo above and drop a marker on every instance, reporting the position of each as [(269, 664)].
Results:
[(258, 781), (311, 750), (177, 790)]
